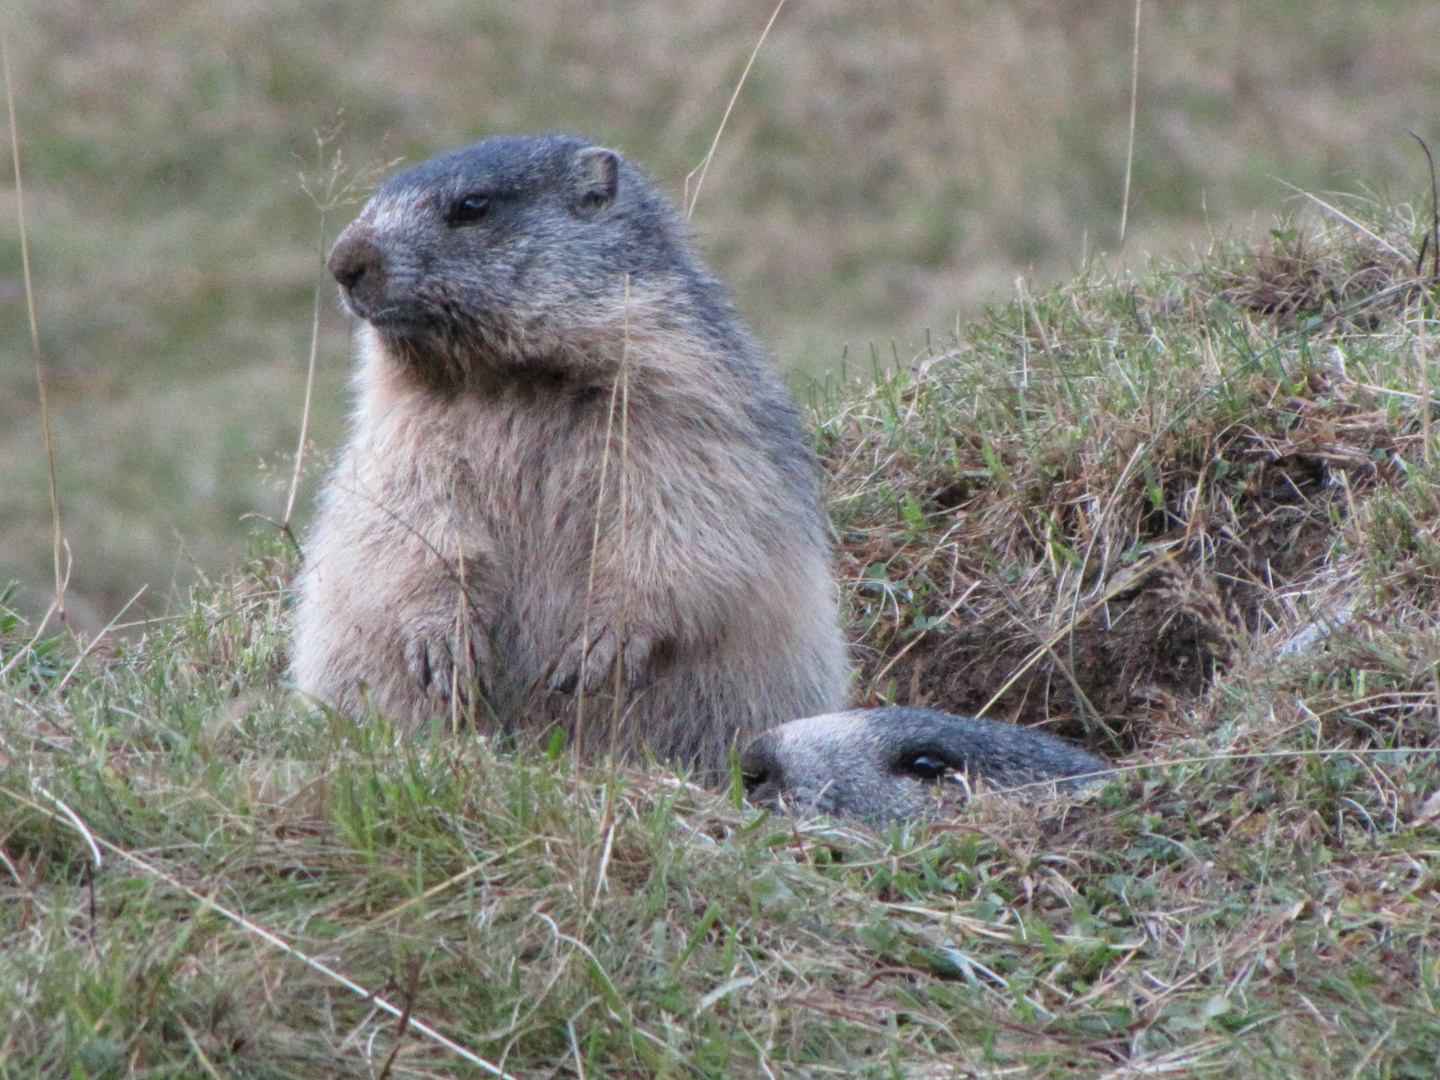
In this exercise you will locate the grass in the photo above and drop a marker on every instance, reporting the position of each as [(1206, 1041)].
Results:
[(1185, 512)]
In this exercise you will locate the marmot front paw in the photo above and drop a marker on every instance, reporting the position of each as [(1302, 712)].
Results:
[(443, 658), (597, 663)]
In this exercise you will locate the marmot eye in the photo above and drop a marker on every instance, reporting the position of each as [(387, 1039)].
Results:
[(467, 210), (923, 767)]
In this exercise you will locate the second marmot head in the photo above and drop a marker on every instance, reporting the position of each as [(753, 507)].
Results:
[(901, 762)]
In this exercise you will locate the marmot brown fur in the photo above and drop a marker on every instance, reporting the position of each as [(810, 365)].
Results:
[(575, 492)]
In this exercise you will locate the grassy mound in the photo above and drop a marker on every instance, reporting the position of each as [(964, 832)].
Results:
[(1107, 496), (1187, 515)]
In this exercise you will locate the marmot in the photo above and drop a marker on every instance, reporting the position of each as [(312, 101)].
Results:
[(900, 762), (575, 492)]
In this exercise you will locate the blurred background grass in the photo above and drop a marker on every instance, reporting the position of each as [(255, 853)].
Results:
[(889, 169)]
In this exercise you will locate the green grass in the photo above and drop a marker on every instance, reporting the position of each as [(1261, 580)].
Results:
[(1186, 513)]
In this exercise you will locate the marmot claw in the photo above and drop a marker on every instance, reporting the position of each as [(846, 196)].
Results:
[(598, 662), (440, 664)]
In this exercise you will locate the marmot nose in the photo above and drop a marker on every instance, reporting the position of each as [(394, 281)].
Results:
[(762, 772), (353, 258)]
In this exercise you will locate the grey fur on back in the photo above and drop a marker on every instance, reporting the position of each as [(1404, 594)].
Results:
[(886, 763), (572, 474)]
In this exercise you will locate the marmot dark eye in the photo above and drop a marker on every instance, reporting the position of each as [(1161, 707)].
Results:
[(923, 767), (467, 210)]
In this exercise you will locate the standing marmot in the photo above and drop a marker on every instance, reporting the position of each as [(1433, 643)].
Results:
[(575, 492)]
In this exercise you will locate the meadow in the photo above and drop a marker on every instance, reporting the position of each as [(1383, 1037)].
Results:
[(1181, 509), (883, 176)]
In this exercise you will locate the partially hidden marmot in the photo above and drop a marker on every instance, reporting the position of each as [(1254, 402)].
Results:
[(901, 762), (575, 492)]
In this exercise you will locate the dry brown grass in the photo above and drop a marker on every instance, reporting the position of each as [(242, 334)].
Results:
[(1093, 505)]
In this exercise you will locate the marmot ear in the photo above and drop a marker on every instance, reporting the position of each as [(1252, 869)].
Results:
[(599, 179)]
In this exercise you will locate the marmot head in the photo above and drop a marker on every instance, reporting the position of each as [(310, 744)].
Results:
[(514, 250), (899, 762)]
